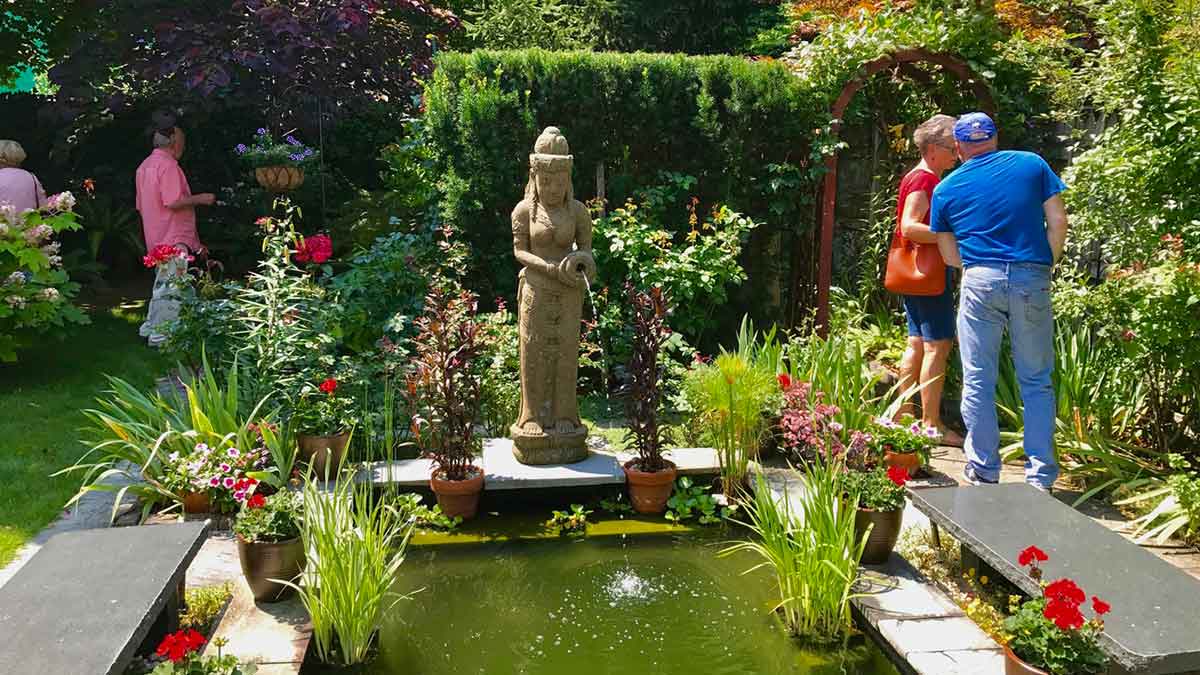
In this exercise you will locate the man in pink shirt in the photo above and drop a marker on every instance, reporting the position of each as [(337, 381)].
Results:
[(168, 210)]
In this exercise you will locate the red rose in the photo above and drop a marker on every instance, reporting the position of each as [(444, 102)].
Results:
[(1100, 607), (1065, 590), (1064, 614), (898, 475), (785, 382), (317, 248), (1032, 554), (256, 501), (329, 386)]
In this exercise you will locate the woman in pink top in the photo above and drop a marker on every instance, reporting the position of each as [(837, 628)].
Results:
[(18, 187)]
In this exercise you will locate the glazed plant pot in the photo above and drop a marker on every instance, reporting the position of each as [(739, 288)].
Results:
[(263, 561), (279, 178), (649, 492), (196, 502), (324, 453), (1013, 665), (883, 535), (910, 461), (458, 497)]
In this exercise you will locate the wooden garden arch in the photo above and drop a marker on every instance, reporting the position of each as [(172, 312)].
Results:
[(902, 61)]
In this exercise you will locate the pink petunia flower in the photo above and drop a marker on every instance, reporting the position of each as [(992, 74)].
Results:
[(229, 482), (233, 452), (215, 481), (225, 468)]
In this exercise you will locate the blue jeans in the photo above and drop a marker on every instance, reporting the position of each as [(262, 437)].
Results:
[(1016, 296)]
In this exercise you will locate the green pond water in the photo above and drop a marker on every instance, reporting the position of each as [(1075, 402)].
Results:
[(646, 604)]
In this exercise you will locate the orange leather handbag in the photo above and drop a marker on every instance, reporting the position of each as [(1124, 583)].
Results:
[(914, 269)]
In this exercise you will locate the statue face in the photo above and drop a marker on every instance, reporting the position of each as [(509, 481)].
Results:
[(552, 186)]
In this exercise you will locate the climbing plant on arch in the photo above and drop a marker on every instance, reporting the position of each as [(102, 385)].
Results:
[(900, 61)]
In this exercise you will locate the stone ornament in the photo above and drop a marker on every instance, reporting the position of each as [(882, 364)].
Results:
[(552, 240)]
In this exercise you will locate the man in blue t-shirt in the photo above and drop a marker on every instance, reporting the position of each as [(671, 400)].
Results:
[(1000, 217)]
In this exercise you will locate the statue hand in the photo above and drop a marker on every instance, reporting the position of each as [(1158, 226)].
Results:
[(575, 266)]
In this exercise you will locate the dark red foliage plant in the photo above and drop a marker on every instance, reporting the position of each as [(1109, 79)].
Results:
[(650, 331), (443, 386)]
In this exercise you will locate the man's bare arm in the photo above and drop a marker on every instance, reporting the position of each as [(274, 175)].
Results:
[(1056, 224), (948, 246), (202, 199)]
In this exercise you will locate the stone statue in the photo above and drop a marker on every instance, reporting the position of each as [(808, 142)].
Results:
[(552, 239)]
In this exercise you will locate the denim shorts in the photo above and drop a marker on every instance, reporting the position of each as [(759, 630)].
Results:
[(931, 317)]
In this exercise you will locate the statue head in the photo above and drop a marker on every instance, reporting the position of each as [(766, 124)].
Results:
[(550, 169)]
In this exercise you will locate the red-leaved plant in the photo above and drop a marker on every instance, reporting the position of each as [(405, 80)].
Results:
[(1051, 632), (444, 390), (650, 331)]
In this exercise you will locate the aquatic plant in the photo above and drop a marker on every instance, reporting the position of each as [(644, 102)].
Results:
[(732, 397), (572, 522), (812, 548), (355, 544)]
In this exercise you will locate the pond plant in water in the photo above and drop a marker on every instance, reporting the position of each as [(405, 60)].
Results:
[(445, 394), (813, 550), (731, 395), (650, 476), (355, 544)]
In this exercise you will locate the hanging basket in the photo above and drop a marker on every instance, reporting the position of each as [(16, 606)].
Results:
[(279, 178)]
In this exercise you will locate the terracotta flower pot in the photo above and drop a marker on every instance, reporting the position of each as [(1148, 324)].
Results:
[(883, 535), (458, 497), (324, 452), (263, 561), (1013, 665), (909, 461), (649, 492), (279, 178), (197, 502)]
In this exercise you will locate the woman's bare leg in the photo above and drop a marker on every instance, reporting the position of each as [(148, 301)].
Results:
[(933, 377), (910, 372)]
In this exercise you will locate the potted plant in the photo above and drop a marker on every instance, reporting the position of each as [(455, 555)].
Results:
[(806, 429), (269, 545), (1049, 635), (905, 444), (179, 654), (880, 493), (211, 479), (278, 165), (650, 477), (445, 394), (323, 419)]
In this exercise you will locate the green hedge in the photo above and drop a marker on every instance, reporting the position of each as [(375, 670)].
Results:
[(724, 120)]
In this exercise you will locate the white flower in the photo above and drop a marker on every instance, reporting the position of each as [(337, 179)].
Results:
[(52, 248), (50, 294), (56, 261), (8, 213), (63, 201), (15, 301), (3, 228), (36, 235), (16, 279)]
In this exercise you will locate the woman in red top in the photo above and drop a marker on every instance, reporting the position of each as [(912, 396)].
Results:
[(930, 318)]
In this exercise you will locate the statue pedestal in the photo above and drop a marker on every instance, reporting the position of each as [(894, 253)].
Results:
[(549, 447)]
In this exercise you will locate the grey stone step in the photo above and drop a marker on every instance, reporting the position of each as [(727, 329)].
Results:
[(503, 472)]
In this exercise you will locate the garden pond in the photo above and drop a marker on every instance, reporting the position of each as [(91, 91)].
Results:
[(662, 603)]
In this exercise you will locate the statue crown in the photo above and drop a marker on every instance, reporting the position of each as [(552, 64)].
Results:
[(551, 142)]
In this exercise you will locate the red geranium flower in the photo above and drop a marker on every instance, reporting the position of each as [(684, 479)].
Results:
[(256, 501), (1032, 556), (176, 646), (898, 475), (1065, 590), (329, 386), (1064, 614), (785, 382), (1100, 607)]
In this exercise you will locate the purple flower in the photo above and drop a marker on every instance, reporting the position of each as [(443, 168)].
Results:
[(229, 482), (239, 495), (214, 481), (308, 152), (296, 158), (262, 132), (225, 467), (292, 140), (241, 148), (233, 452)]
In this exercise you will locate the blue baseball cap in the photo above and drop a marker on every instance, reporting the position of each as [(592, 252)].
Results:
[(974, 127)]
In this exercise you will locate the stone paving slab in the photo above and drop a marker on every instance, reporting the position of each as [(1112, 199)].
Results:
[(77, 608), (910, 636), (274, 635), (504, 472), (1152, 628), (958, 662)]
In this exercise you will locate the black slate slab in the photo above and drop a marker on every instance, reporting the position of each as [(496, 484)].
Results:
[(1154, 626), (86, 600)]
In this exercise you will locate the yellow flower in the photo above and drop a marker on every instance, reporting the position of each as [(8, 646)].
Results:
[(983, 579)]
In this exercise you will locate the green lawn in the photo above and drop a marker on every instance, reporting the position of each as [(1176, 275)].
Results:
[(42, 397)]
